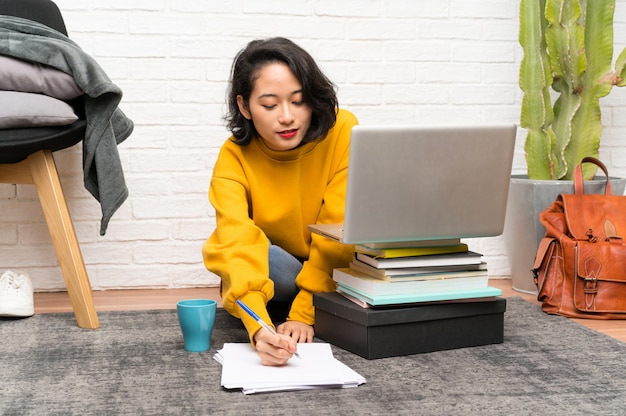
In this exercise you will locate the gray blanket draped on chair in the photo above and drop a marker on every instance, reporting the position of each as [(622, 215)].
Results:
[(107, 126)]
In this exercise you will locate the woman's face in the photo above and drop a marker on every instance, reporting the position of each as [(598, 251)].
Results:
[(276, 107)]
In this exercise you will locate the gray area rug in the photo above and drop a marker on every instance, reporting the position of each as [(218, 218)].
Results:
[(136, 364)]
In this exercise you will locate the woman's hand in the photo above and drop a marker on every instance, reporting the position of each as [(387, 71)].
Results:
[(298, 331), (274, 350)]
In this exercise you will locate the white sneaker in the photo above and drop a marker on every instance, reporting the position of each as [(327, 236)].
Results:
[(16, 294)]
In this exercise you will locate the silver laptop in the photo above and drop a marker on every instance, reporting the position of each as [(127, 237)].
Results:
[(408, 185)]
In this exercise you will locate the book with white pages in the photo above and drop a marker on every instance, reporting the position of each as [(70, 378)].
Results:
[(373, 286), (414, 298), (457, 259), (415, 273), (316, 368), (366, 305)]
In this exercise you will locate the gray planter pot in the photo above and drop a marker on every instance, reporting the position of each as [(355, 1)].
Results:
[(522, 229)]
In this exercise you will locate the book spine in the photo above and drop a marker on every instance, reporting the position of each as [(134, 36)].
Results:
[(381, 300), (434, 260), (412, 251), (377, 287)]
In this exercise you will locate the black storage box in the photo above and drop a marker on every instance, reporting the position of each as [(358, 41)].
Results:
[(403, 330)]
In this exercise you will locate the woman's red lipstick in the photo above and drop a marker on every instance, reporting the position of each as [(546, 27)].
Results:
[(288, 134)]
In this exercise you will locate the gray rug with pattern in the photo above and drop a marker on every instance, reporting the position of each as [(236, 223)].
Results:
[(135, 364)]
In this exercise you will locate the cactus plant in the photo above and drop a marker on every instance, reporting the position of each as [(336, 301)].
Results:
[(568, 53)]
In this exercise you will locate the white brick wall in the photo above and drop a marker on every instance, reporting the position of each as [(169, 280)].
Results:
[(394, 61)]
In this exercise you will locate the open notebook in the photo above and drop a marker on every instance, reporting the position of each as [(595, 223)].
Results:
[(316, 368)]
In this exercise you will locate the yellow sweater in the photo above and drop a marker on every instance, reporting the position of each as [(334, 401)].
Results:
[(261, 195)]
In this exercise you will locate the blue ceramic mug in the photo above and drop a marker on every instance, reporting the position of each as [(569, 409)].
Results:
[(196, 318)]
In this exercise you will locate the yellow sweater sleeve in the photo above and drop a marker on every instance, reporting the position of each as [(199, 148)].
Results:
[(260, 195), (237, 252)]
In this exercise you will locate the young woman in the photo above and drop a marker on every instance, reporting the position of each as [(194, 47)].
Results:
[(284, 167)]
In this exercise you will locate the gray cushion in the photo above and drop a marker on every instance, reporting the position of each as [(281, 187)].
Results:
[(26, 76), (23, 109)]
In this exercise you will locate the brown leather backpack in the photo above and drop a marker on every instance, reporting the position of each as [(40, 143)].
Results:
[(580, 267)]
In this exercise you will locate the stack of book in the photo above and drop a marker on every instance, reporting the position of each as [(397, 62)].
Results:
[(441, 271)]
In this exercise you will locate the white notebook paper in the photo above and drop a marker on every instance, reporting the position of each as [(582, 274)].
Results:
[(316, 368)]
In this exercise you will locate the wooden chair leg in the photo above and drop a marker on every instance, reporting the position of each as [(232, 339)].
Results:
[(46, 180)]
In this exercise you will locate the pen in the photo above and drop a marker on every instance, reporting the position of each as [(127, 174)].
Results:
[(259, 320)]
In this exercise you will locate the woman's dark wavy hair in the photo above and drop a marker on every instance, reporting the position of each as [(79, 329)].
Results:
[(318, 92)]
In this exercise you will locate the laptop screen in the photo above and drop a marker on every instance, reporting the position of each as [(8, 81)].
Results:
[(411, 183)]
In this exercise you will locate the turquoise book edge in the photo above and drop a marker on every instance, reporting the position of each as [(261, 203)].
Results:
[(381, 300)]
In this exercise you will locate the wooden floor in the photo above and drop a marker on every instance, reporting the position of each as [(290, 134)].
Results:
[(127, 300)]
